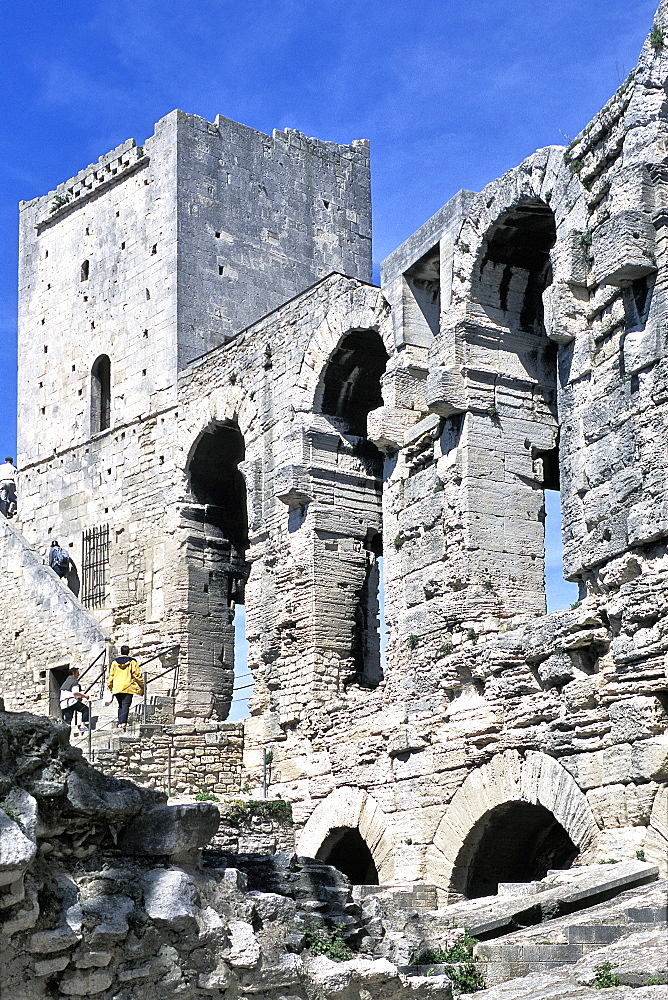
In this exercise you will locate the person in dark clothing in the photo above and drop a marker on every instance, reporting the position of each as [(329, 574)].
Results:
[(59, 559), (125, 680), (72, 700)]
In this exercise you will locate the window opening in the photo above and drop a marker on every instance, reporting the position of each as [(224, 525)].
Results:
[(85, 268), (560, 594), (422, 299), (346, 849), (94, 562), (366, 646), (100, 407), (243, 678)]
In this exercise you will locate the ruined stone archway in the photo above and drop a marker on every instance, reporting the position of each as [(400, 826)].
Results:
[(507, 779), (350, 809)]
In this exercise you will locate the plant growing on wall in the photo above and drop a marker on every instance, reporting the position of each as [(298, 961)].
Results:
[(604, 977), (656, 37)]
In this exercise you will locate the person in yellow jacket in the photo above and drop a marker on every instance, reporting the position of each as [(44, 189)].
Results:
[(125, 680)]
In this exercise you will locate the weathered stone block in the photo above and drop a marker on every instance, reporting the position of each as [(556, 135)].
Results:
[(623, 248)]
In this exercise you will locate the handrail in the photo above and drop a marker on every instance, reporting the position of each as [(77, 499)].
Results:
[(101, 653)]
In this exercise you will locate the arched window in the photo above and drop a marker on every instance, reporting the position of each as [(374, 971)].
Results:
[(85, 269), (100, 395)]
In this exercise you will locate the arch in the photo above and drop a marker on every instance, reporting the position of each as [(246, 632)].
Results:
[(508, 778), (100, 394), (348, 808), (217, 482), (215, 568), (348, 309), (345, 849), (350, 386)]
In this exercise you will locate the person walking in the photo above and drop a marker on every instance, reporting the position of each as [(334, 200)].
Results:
[(8, 474), (59, 559), (72, 700), (125, 680)]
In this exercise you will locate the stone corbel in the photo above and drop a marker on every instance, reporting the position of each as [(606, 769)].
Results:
[(292, 485), (387, 425), (445, 393), (564, 308), (623, 248)]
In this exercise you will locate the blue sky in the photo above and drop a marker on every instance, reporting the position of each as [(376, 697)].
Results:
[(450, 94)]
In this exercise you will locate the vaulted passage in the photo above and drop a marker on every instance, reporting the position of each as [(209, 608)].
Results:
[(346, 849), (515, 842)]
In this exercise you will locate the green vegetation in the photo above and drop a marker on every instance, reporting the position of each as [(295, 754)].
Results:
[(492, 411), (322, 941), (232, 378), (586, 238), (609, 861), (238, 811), (206, 797), (656, 37), (446, 648), (641, 855), (472, 635), (604, 977), (59, 201), (413, 641), (466, 977), (398, 542)]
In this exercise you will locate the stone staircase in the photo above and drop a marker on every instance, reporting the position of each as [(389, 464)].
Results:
[(40, 614), (637, 915)]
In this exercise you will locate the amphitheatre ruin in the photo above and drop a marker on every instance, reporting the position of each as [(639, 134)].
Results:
[(218, 409)]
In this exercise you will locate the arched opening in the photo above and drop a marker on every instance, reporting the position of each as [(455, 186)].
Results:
[(100, 395), (351, 383), (85, 270), (514, 842), (350, 389), (215, 480), (512, 273), (217, 524), (345, 848)]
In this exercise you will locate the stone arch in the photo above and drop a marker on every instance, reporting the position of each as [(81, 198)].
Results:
[(536, 779), (351, 808), (359, 308)]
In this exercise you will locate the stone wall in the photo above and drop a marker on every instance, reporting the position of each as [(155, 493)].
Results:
[(179, 760)]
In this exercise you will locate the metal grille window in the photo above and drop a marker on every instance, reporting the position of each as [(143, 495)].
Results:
[(94, 562)]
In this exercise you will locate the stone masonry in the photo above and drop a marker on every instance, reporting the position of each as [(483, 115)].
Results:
[(208, 380)]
